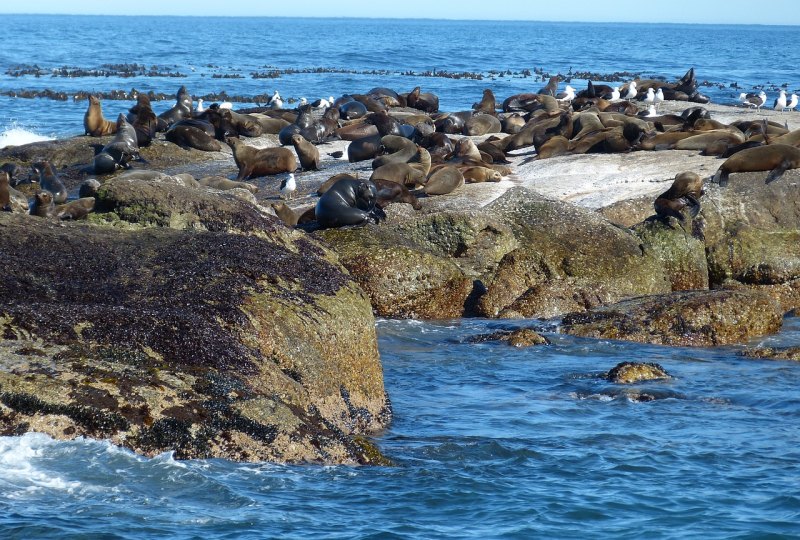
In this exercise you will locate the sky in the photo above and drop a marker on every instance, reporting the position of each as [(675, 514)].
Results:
[(659, 11)]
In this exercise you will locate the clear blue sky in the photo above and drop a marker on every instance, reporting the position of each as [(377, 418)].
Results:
[(682, 11)]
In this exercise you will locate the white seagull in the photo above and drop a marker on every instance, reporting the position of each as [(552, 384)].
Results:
[(780, 101), (226, 105), (567, 95), (200, 107), (288, 185), (753, 100), (659, 97), (650, 98), (631, 90), (792, 103), (615, 94)]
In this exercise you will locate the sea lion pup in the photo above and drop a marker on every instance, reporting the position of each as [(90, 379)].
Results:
[(776, 158), (424, 101), (193, 133), (306, 152), (348, 202), (93, 122), (224, 184), (143, 120), (444, 180), (684, 194), (285, 214), (255, 162), (5, 192), (42, 205), (49, 181), (77, 209), (182, 109), (391, 192), (487, 104), (120, 151)]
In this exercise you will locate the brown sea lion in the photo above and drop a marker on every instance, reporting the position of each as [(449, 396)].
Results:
[(5, 192), (554, 146), (189, 136), (483, 124), (285, 214), (74, 210), (684, 194), (399, 150), (776, 158), (487, 104), (354, 131), (143, 120), (93, 122), (478, 174), (49, 180), (43, 205), (391, 192), (224, 184), (424, 101), (402, 173), (306, 152), (255, 162), (512, 123), (444, 180)]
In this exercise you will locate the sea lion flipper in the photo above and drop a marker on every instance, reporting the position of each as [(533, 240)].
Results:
[(778, 171), (693, 205)]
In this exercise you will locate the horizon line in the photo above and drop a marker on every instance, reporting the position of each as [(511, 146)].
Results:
[(222, 16)]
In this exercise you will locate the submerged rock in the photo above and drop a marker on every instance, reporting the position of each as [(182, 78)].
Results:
[(522, 337), (632, 372), (773, 353)]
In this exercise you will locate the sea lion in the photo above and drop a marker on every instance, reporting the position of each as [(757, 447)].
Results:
[(703, 139), (143, 120), (776, 158), (255, 162), (683, 194), (352, 110), (42, 204), (49, 181), (224, 184), (478, 174), (364, 148), (482, 124), (182, 109), (269, 125), (497, 155), (551, 87), (326, 185), (77, 209), (424, 101), (390, 192), (241, 124), (387, 125), (354, 131), (348, 202), (512, 123), (451, 123), (401, 150), (285, 214), (190, 136), (487, 104), (88, 188), (285, 134), (402, 173), (5, 192), (13, 171), (93, 122), (444, 180), (306, 152), (120, 151)]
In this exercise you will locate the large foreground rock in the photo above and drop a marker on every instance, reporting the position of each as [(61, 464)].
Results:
[(243, 346), (696, 318)]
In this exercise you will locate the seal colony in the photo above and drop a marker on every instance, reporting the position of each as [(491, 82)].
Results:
[(417, 151)]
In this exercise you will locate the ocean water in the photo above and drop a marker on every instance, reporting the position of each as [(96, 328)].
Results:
[(489, 441)]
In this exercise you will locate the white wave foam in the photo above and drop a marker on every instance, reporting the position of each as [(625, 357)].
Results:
[(15, 135), (19, 472)]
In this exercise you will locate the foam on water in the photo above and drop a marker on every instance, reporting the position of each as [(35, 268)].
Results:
[(20, 469), (16, 135)]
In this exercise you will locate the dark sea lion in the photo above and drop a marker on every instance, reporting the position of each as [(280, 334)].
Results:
[(372, 105), (120, 151), (386, 124), (497, 155), (364, 148), (88, 188), (487, 104), (189, 136), (482, 124), (269, 125), (352, 110), (143, 120), (13, 172), (776, 158), (306, 152), (224, 184), (77, 209), (424, 101), (684, 194), (551, 87), (731, 150), (701, 140), (93, 122), (49, 181), (348, 202), (554, 146), (5, 192), (42, 204), (389, 97), (285, 135), (444, 180), (391, 192), (181, 109), (401, 173), (399, 150), (354, 131), (326, 185), (255, 162), (242, 124)]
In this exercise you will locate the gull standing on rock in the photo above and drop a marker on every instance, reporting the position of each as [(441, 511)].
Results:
[(792, 103), (275, 102), (567, 95), (615, 94), (200, 107), (659, 97), (650, 98), (288, 186), (780, 101), (753, 100), (631, 91)]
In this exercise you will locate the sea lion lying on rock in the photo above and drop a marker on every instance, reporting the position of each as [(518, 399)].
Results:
[(349, 202)]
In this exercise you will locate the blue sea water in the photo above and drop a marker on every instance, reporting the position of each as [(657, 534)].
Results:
[(489, 441)]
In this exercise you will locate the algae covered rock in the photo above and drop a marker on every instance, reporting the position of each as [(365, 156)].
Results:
[(679, 250), (633, 372), (773, 353), (694, 318), (568, 259), (521, 337), (243, 346)]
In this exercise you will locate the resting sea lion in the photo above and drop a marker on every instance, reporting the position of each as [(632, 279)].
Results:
[(120, 151), (348, 202), (49, 181), (402, 173), (88, 188), (5, 192), (389, 192), (364, 148), (191, 136), (255, 162), (478, 174), (776, 158), (444, 180), (181, 109), (93, 122), (683, 194), (224, 184), (77, 209), (306, 152)]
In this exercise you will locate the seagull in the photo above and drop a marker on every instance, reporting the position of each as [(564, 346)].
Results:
[(650, 98), (659, 97), (651, 111), (631, 90), (322, 103), (567, 95), (792, 103), (226, 105), (200, 107), (288, 185), (615, 94), (275, 101), (753, 100), (303, 101), (780, 101)]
